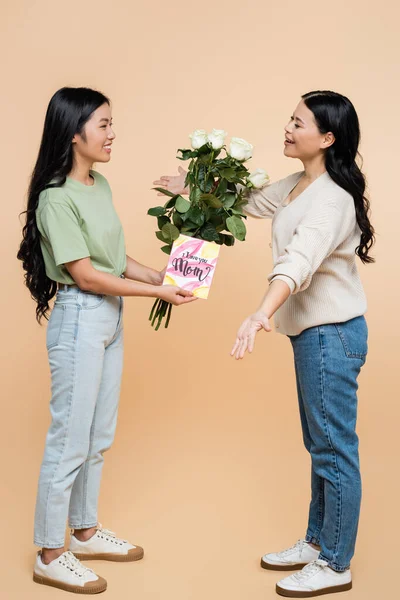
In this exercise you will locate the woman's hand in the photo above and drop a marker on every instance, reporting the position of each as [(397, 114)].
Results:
[(175, 295), (173, 183), (247, 333)]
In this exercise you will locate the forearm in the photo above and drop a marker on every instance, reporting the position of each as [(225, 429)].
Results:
[(139, 272), (105, 283), (278, 292)]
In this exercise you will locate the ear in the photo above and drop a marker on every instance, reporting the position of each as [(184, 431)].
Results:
[(328, 140)]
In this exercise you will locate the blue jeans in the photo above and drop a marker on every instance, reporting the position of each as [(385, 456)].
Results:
[(85, 350), (328, 359)]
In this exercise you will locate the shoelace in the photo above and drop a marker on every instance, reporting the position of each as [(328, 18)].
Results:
[(310, 569), (102, 531), (299, 545), (71, 562)]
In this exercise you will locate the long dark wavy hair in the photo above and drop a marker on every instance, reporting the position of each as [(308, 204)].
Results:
[(334, 112), (68, 112)]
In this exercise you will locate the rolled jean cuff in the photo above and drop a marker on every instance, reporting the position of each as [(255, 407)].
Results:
[(41, 545), (84, 525), (332, 564), (312, 539)]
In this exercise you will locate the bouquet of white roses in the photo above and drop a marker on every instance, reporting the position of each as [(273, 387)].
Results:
[(217, 183)]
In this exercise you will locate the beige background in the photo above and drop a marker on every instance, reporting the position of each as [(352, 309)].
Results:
[(208, 471)]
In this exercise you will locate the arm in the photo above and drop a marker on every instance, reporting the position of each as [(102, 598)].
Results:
[(90, 279), (138, 272), (277, 293)]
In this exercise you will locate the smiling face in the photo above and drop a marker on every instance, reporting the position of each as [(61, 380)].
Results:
[(303, 140), (94, 143)]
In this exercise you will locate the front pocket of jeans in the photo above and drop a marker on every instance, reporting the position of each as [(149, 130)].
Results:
[(93, 301), (354, 337), (54, 326)]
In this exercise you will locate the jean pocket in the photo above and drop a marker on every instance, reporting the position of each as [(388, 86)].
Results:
[(54, 326), (93, 301), (354, 337)]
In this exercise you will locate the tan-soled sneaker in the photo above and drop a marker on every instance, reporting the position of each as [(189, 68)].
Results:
[(105, 545), (295, 557), (315, 579), (67, 573)]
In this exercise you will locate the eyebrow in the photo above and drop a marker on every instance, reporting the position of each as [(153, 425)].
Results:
[(298, 119), (104, 119)]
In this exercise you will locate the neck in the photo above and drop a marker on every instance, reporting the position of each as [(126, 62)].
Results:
[(80, 172), (314, 168)]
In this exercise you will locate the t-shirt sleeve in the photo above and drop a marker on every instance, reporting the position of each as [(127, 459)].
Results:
[(62, 230), (317, 235)]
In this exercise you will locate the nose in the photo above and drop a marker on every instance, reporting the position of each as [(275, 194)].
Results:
[(287, 127)]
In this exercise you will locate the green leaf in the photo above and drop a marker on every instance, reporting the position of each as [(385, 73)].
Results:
[(228, 174), (164, 191), (228, 240), (166, 249), (161, 221), (195, 215), (211, 200), (157, 211), (171, 202), (229, 200), (160, 236), (209, 233), (186, 154), (182, 205), (171, 233), (236, 227), (222, 187), (177, 220), (195, 194)]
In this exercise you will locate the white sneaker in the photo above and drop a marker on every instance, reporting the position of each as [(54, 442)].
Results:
[(314, 580), (295, 557), (105, 545), (67, 573)]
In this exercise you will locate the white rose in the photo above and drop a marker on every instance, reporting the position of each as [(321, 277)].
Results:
[(240, 149), (199, 138), (259, 178), (217, 138)]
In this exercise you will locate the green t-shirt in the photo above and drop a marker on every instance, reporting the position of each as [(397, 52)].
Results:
[(78, 221)]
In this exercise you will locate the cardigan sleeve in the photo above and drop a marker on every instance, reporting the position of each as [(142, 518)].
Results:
[(317, 235), (262, 203)]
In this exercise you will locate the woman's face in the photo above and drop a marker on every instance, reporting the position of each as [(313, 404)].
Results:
[(303, 139), (94, 144)]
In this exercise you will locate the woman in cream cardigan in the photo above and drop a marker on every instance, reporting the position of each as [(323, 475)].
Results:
[(320, 225)]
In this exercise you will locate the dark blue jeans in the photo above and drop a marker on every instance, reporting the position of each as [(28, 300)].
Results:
[(328, 359)]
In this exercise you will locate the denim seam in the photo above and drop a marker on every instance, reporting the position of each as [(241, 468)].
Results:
[(86, 470), (66, 433), (333, 564), (339, 507), (54, 344), (320, 520)]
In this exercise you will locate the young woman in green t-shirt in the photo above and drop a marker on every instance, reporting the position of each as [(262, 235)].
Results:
[(73, 248)]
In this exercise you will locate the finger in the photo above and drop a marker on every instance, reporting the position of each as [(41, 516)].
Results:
[(243, 347), (235, 346), (183, 292), (181, 171), (161, 181), (239, 353), (252, 339)]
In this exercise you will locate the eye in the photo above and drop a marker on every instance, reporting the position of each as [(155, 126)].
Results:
[(296, 126)]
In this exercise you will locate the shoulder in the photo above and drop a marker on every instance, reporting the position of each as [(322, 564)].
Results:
[(51, 196), (336, 196), (100, 179)]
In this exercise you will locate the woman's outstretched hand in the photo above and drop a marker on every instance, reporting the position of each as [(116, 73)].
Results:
[(175, 295), (173, 183), (247, 333)]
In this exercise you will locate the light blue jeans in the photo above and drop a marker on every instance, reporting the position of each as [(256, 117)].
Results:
[(328, 360), (85, 350)]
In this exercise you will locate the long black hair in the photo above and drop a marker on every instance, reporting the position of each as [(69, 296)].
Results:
[(68, 112), (334, 112)]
